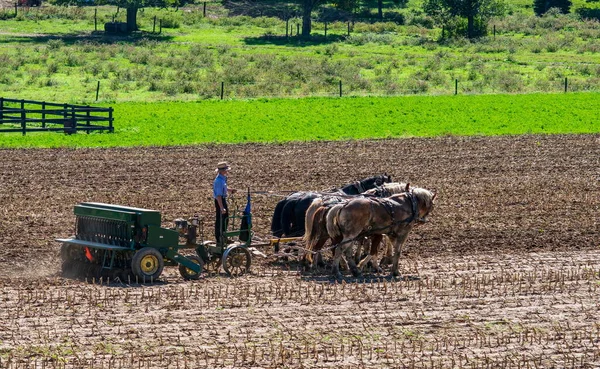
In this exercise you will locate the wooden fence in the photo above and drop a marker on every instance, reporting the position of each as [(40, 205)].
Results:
[(31, 116)]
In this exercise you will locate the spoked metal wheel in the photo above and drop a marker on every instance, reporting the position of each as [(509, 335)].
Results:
[(236, 261), (213, 265)]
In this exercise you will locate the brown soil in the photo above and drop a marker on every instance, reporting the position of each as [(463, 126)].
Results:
[(506, 274)]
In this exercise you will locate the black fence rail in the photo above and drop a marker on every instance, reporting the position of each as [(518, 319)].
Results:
[(31, 116)]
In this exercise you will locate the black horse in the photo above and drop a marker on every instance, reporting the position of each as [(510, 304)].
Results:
[(289, 216)]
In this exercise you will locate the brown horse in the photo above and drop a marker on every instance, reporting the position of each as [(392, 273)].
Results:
[(316, 235), (393, 216)]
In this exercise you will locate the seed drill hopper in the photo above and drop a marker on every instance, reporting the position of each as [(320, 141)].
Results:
[(127, 242)]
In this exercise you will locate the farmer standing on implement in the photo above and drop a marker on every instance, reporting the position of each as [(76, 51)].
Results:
[(220, 191)]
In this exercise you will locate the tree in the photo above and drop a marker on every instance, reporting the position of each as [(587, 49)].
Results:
[(381, 4), (307, 8), (448, 13), (540, 7), (284, 10), (131, 7)]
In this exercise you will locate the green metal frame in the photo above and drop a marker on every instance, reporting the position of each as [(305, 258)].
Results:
[(101, 219)]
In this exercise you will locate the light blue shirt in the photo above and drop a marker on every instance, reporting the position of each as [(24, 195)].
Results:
[(220, 186)]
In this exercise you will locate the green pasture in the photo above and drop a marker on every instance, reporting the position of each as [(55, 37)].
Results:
[(281, 120), (53, 54)]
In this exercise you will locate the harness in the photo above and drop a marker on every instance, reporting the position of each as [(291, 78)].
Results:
[(379, 191), (389, 205), (359, 186)]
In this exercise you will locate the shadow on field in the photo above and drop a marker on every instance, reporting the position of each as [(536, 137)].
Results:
[(323, 274), (97, 37), (347, 278), (294, 41)]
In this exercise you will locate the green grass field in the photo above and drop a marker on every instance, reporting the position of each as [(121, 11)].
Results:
[(281, 120), (52, 54), (165, 88)]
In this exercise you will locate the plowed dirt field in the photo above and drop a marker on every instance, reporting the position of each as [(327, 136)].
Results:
[(505, 274)]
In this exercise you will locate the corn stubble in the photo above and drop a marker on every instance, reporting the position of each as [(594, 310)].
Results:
[(505, 275)]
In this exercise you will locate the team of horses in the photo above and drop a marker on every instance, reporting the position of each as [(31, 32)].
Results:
[(374, 209)]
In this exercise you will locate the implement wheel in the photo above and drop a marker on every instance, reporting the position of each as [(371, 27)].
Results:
[(213, 265), (236, 261), (188, 273), (147, 264)]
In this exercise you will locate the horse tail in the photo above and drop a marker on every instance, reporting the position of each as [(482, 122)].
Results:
[(313, 234), (287, 217), (333, 227), (276, 226), (320, 223), (310, 213)]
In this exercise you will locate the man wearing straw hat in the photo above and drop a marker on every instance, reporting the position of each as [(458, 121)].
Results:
[(220, 191)]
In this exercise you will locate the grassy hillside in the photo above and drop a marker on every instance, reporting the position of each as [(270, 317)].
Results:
[(278, 120), (53, 54)]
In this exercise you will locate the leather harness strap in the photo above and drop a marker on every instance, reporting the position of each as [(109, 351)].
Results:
[(389, 207), (359, 186)]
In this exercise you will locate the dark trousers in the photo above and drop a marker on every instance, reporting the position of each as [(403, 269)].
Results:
[(220, 219)]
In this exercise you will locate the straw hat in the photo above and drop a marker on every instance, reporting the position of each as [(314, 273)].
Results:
[(222, 166)]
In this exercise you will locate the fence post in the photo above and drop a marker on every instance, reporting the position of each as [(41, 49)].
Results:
[(325, 29), (456, 87), (73, 119), (154, 25), (348, 28), (43, 114), (96, 19), (566, 84), (1, 109), (222, 89), (23, 117), (110, 120), (15, 9), (97, 90), (87, 121), (340, 88), (287, 26), (204, 10)]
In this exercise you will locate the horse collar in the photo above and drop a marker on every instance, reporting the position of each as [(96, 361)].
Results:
[(414, 206)]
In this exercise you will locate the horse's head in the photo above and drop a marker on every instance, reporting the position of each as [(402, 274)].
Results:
[(383, 178), (426, 200)]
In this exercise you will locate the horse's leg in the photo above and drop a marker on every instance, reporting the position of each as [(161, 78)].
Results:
[(364, 261), (350, 259), (375, 242), (360, 244), (387, 258), (335, 268), (317, 249), (398, 242), (308, 258)]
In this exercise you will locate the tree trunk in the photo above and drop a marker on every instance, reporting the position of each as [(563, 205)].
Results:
[(307, 7), (132, 19), (380, 8), (470, 26)]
